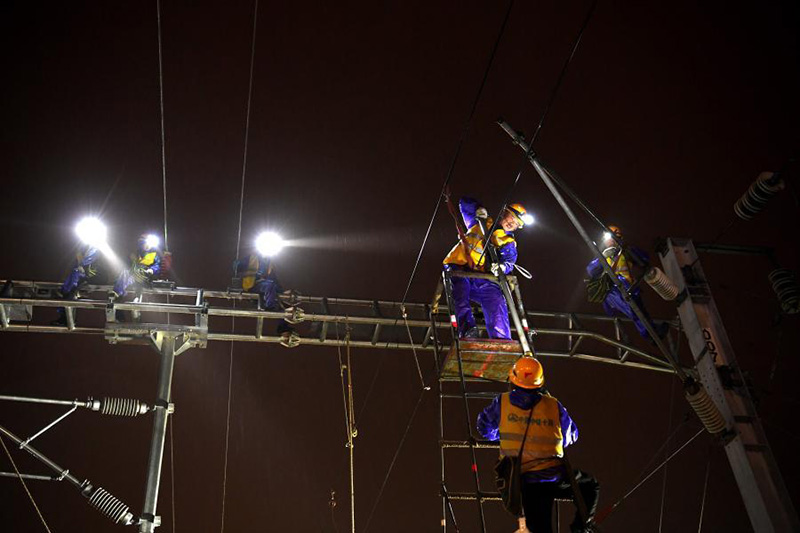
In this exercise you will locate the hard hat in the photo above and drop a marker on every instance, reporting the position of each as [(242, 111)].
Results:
[(612, 233), (527, 373), (520, 214)]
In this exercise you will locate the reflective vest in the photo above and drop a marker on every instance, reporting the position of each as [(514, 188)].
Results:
[(544, 443), (253, 272), (147, 259), (619, 263), (474, 241)]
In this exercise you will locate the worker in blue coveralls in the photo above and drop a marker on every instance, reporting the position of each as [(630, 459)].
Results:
[(529, 420), (145, 265), (468, 255), (601, 289), (258, 276), (83, 271)]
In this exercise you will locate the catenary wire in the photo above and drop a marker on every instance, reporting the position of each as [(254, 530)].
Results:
[(540, 124), (163, 134), (705, 489), (238, 245)]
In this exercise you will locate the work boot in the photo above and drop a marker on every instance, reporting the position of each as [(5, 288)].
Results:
[(471, 333), (290, 339)]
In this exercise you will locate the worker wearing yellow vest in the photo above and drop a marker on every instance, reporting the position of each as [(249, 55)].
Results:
[(469, 255), (145, 265), (548, 432), (258, 276), (601, 289)]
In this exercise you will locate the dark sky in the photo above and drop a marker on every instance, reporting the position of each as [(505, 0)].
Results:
[(668, 112)]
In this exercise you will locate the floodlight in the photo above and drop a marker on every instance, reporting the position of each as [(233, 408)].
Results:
[(269, 243), (528, 219), (91, 231), (152, 241)]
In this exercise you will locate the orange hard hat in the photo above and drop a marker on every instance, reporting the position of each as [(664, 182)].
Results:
[(527, 373), (520, 214)]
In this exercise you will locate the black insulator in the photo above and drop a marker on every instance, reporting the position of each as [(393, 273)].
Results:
[(752, 202), (707, 411), (123, 407), (786, 287), (111, 507)]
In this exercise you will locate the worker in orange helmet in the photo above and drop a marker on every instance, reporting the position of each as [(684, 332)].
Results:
[(469, 255), (529, 420)]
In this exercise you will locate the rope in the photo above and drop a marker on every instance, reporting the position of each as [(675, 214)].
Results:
[(163, 135), (664, 480), (705, 488), (24, 485), (459, 146), (227, 431), (344, 387), (413, 349), (247, 128), (394, 458), (542, 118), (606, 512)]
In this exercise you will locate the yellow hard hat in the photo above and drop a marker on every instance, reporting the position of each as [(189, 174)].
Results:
[(527, 373)]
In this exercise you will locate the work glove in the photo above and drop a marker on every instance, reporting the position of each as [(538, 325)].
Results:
[(482, 213), (149, 272), (496, 268)]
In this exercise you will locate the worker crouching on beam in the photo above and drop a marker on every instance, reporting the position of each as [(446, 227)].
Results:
[(530, 423), (145, 265), (258, 276), (468, 255), (601, 289)]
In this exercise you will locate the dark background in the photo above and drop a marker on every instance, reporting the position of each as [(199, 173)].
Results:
[(668, 113)]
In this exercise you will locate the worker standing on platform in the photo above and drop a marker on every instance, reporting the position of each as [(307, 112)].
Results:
[(258, 276), (468, 255), (602, 289), (535, 423), (145, 265)]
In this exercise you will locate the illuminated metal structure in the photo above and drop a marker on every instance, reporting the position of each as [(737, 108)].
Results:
[(173, 320)]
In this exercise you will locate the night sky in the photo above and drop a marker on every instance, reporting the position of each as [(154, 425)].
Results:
[(668, 112)]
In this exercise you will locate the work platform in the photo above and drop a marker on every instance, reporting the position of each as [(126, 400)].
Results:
[(204, 315)]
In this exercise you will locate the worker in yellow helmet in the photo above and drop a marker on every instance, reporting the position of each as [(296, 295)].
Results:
[(469, 255), (529, 420), (601, 289)]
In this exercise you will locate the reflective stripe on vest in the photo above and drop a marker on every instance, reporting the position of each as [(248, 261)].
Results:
[(544, 443), (474, 239), (249, 275)]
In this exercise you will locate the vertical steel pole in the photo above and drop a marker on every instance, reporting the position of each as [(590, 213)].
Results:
[(436, 359), (166, 348)]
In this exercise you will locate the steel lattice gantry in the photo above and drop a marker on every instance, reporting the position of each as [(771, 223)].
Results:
[(173, 319)]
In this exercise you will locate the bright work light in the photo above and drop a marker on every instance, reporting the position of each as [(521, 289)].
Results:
[(152, 241), (528, 219), (607, 236), (269, 243), (91, 231)]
